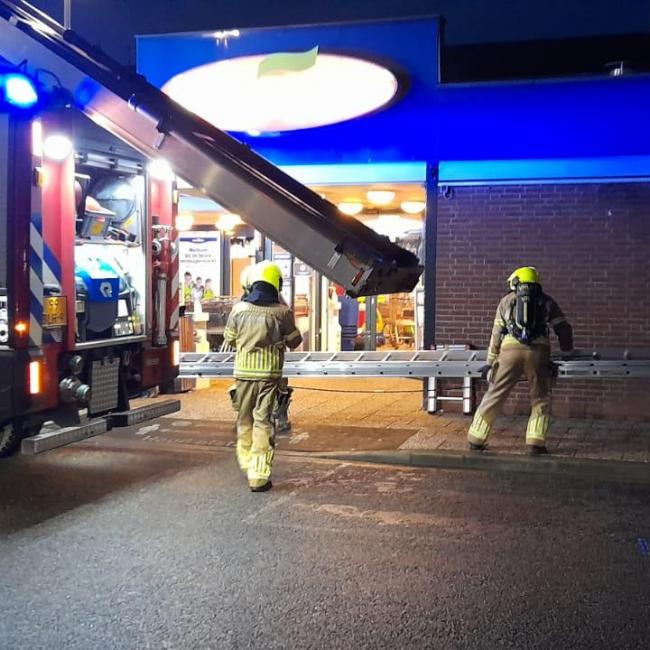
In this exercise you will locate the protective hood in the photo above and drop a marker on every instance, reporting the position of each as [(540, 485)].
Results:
[(262, 293)]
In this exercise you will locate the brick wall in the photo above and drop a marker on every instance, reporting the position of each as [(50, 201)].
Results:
[(591, 243)]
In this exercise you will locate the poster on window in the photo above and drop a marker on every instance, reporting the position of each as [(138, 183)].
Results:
[(283, 260), (200, 266)]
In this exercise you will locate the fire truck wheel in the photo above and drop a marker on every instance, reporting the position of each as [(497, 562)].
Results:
[(9, 439)]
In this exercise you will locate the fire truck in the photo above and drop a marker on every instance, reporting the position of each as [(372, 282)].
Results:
[(88, 262), (89, 272)]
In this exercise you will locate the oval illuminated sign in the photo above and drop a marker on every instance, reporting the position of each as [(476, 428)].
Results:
[(261, 94)]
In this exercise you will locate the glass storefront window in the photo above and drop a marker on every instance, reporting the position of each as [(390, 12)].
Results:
[(327, 319)]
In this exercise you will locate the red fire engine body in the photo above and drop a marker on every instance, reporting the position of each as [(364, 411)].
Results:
[(89, 284)]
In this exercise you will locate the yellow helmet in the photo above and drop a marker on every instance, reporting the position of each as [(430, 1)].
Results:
[(267, 272), (524, 275)]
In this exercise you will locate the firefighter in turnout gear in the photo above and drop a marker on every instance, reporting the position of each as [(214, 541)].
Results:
[(260, 328), (245, 285), (520, 345), (280, 416)]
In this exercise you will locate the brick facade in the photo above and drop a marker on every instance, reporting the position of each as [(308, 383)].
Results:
[(591, 243)]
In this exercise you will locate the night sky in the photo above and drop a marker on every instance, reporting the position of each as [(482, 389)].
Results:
[(112, 24)]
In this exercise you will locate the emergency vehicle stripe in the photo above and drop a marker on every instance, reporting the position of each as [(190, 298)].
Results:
[(51, 276), (36, 278), (51, 267), (175, 285)]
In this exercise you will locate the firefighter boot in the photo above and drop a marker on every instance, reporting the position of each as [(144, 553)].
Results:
[(259, 471), (243, 454), (260, 485), (479, 432)]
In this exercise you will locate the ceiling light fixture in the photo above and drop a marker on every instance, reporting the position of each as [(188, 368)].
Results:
[(413, 207), (351, 208), (184, 221), (393, 225), (228, 221), (380, 197)]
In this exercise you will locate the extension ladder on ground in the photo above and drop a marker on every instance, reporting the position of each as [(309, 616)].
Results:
[(427, 365)]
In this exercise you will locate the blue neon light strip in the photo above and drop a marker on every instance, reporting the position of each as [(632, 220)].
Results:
[(397, 172), (471, 172)]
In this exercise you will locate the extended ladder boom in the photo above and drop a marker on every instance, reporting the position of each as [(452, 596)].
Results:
[(226, 170)]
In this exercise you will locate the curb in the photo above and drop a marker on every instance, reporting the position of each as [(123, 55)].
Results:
[(604, 470)]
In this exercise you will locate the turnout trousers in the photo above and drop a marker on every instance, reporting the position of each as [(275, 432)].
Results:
[(255, 400), (513, 362)]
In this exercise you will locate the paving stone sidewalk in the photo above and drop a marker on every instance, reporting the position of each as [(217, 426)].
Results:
[(319, 405)]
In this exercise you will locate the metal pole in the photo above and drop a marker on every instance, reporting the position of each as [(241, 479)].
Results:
[(371, 323), (67, 14), (430, 254), (225, 288)]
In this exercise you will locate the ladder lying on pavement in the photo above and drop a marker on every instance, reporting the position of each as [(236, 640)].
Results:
[(427, 365)]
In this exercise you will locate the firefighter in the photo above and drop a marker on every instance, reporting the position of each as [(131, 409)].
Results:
[(520, 345), (244, 283), (280, 415), (259, 328)]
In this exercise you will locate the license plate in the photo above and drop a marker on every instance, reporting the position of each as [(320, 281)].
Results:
[(55, 313)]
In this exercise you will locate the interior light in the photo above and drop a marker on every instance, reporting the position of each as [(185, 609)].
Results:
[(226, 33), (228, 221), (57, 146), (413, 207), (37, 139), (184, 221), (380, 197), (182, 184), (35, 377), (176, 353), (160, 170), (254, 132), (20, 90), (393, 225), (350, 208)]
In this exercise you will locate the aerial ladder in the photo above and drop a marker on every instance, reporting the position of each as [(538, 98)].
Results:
[(227, 171)]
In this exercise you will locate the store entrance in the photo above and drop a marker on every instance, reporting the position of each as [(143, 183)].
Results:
[(329, 320), (220, 246)]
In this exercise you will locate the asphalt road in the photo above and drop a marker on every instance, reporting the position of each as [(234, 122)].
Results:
[(141, 546)]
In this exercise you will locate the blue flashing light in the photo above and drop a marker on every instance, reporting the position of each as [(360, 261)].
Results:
[(20, 90)]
